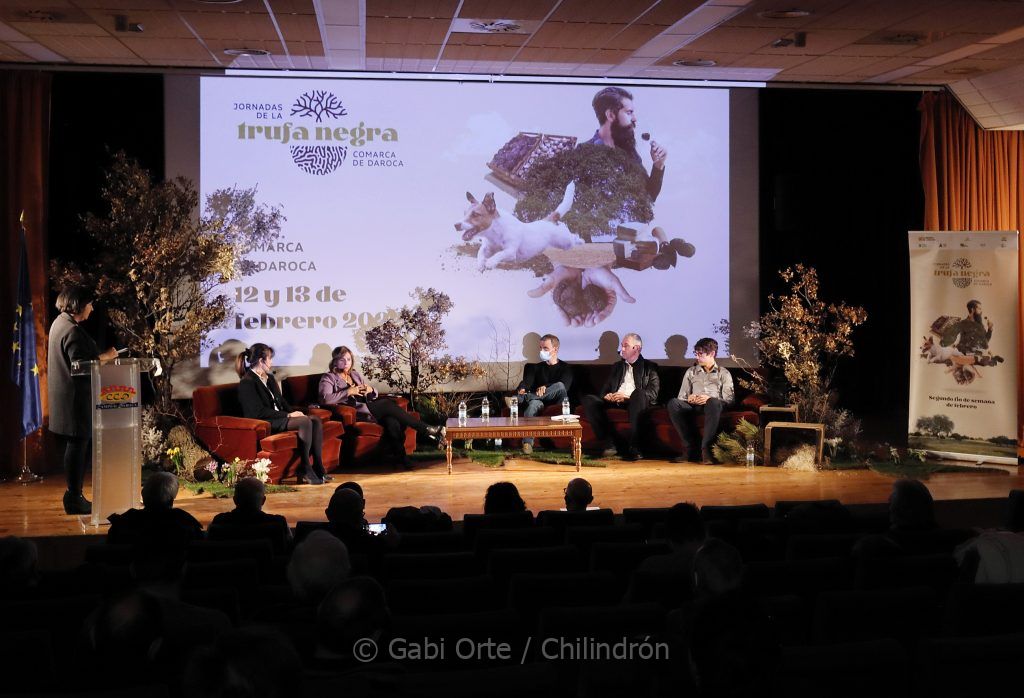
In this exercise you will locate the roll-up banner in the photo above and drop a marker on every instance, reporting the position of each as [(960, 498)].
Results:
[(963, 363)]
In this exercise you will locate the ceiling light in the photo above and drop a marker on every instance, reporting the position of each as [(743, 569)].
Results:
[(246, 52), (696, 63), (498, 26), (964, 70), (902, 38), (466, 25), (784, 14), (41, 16)]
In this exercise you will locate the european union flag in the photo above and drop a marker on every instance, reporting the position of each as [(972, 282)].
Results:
[(24, 364)]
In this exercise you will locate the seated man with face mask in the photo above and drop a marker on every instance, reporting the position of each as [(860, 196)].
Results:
[(544, 383)]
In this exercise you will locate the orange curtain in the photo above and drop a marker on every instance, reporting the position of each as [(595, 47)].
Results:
[(24, 140), (973, 180)]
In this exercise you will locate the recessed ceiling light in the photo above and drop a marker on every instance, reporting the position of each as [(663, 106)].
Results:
[(793, 13), (696, 63), (246, 52), (498, 26)]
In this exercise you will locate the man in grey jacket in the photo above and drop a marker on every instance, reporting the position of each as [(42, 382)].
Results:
[(707, 389)]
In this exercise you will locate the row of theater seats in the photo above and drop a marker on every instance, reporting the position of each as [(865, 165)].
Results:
[(902, 625)]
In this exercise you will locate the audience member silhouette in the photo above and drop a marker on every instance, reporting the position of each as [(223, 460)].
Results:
[(122, 639), (1015, 511), (819, 517), (352, 485), (996, 556), (355, 609), (347, 522), (503, 498), (911, 507), (685, 530), (18, 560), (250, 496), (254, 662), (732, 645), (318, 564), (578, 495), (425, 519), (157, 518)]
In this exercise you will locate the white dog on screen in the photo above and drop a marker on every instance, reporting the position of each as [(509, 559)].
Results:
[(938, 354), (505, 238)]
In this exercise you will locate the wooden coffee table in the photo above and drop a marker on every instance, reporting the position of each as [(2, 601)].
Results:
[(507, 428)]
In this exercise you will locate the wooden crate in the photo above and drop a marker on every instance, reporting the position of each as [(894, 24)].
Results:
[(817, 433)]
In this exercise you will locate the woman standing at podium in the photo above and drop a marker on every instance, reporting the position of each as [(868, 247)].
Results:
[(69, 396)]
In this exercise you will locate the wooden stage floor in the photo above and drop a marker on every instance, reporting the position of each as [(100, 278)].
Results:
[(35, 510)]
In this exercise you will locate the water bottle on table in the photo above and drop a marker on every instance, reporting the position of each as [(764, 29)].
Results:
[(514, 409), (485, 410), (462, 412), (565, 407), (750, 455)]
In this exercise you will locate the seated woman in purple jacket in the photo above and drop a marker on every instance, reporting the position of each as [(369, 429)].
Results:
[(343, 385)]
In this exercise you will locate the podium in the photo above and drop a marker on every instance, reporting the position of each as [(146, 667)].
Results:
[(116, 433)]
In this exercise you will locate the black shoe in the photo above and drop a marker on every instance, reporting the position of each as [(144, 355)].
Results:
[(706, 457), (310, 478), (76, 503), (610, 452), (437, 433), (327, 478), (680, 459), (632, 455)]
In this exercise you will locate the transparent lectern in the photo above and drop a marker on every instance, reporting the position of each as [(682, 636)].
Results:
[(116, 433)]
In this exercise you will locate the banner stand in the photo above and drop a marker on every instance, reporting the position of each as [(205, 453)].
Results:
[(964, 316)]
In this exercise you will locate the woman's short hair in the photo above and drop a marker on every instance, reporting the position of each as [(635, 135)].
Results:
[(503, 498), (73, 299), (338, 352)]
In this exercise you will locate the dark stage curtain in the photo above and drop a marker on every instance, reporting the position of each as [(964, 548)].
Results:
[(24, 130), (973, 180)]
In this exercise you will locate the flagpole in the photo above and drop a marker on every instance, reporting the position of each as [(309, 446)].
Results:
[(26, 476), (25, 373)]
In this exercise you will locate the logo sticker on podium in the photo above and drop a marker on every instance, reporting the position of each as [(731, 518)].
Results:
[(113, 397)]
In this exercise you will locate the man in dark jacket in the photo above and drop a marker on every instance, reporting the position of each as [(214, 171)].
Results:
[(544, 383), (250, 496), (633, 385)]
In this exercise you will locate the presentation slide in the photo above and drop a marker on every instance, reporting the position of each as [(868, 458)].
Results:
[(512, 198)]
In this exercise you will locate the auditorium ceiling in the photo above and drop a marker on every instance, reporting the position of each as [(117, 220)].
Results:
[(972, 44)]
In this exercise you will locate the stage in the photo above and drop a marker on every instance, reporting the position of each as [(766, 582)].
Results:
[(963, 498)]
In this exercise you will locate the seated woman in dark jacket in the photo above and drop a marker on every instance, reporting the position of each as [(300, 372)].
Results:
[(261, 398), (343, 385)]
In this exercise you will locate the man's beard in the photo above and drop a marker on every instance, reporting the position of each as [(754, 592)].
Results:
[(624, 136), (978, 318)]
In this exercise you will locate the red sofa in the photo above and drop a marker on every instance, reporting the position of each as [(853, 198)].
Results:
[(362, 440), (224, 431)]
